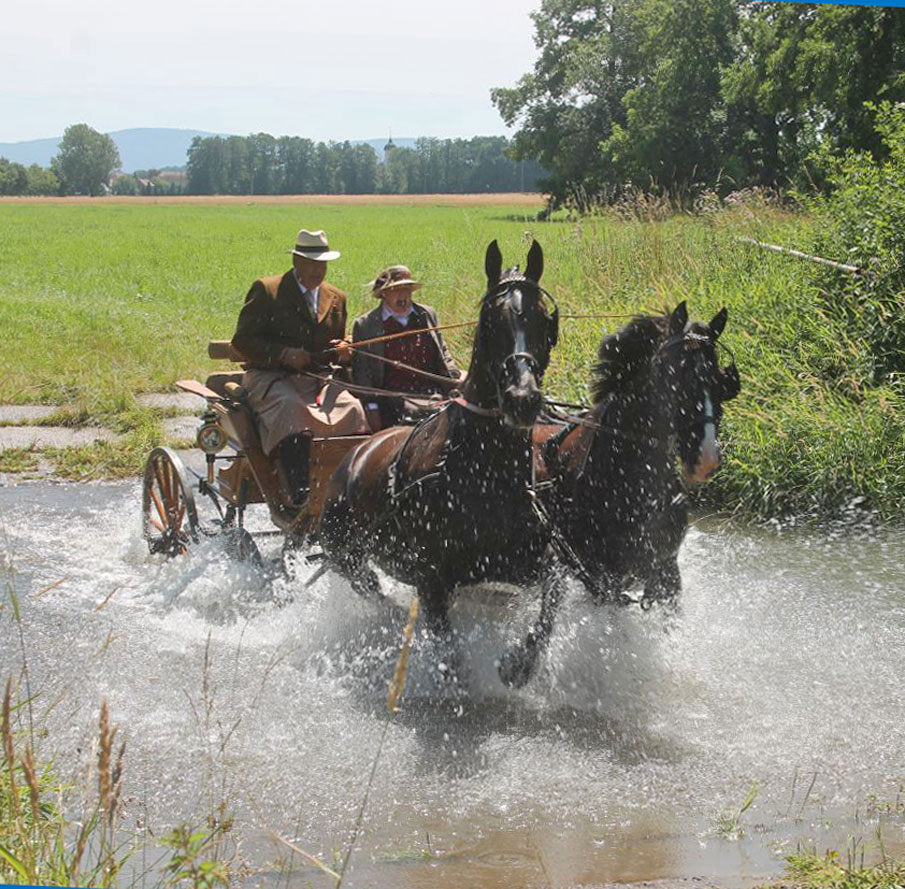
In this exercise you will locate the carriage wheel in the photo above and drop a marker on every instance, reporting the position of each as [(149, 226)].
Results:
[(169, 518)]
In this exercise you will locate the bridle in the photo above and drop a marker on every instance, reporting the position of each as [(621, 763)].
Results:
[(504, 288)]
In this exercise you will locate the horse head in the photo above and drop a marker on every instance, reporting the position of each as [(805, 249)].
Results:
[(516, 332), (697, 386)]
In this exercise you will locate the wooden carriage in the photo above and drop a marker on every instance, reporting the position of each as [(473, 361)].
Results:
[(176, 498)]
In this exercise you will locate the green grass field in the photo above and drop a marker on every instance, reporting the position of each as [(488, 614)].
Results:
[(99, 302)]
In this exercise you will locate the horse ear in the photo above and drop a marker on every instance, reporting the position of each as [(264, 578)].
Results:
[(679, 318), (535, 262), (493, 262), (718, 323)]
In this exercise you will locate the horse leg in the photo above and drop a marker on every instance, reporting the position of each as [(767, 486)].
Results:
[(518, 664), (434, 596), (362, 577), (663, 585)]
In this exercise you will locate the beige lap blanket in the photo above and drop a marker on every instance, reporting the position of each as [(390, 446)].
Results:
[(286, 404)]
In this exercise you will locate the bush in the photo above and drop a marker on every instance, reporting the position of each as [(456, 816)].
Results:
[(862, 222)]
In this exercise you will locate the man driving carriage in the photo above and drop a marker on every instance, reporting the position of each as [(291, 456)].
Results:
[(290, 330)]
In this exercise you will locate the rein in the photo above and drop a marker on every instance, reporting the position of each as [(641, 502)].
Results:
[(609, 430), (400, 365), (402, 333), (364, 390)]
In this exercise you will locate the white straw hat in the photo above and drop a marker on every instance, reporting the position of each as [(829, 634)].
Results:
[(313, 245)]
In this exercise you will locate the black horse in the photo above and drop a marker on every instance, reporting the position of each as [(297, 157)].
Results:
[(613, 494), (448, 502)]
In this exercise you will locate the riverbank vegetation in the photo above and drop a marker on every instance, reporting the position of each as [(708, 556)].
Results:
[(102, 302), (808, 870)]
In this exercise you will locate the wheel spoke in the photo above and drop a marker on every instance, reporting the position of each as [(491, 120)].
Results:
[(164, 488), (160, 510), (173, 482)]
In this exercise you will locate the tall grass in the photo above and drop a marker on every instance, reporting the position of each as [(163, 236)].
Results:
[(41, 843), (100, 302)]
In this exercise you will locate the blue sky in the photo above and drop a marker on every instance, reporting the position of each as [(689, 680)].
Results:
[(338, 69)]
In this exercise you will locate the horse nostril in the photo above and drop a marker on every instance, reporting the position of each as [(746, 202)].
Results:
[(521, 406)]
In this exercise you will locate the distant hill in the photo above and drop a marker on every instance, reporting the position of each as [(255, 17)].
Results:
[(146, 148), (142, 148)]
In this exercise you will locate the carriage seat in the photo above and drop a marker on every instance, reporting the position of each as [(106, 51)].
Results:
[(217, 381)]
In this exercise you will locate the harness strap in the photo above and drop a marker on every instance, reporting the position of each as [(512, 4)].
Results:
[(474, 408), (564, 550), (610, 430)]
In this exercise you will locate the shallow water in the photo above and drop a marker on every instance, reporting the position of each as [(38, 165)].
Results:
[(624, 759)]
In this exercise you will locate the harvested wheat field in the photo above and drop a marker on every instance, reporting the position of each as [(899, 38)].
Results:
[(413, 200)]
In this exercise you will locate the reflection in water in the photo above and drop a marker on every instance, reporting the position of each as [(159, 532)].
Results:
[(616, 763)]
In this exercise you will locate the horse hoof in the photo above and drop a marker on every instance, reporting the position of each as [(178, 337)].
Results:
[(515, 668)]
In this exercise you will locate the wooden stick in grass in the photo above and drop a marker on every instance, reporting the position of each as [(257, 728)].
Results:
[(855, 270)]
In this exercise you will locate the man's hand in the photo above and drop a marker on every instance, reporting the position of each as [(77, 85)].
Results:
[(297, 359), (342, 350)]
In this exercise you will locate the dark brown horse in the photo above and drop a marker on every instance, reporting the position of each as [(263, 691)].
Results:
[(615, 498), (447, 502)]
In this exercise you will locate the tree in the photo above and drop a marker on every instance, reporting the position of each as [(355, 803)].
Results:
[(86, 160), (801, 76), (127, 184), (13, 177), (42, 181), (673, 129), (573, 97), (689, 92)]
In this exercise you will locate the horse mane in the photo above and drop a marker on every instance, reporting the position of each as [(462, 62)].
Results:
[(622, 354)]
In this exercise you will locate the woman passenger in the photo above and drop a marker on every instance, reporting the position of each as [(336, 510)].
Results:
[(426, 351)]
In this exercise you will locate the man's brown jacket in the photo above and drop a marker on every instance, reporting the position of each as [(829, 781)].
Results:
[(276, 315)]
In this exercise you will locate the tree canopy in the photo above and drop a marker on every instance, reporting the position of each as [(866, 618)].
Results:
[(16, 179), (675, 94), (85, 161), (264, 164)]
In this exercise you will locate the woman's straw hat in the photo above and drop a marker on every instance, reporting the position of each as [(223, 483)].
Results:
[(394, 276)]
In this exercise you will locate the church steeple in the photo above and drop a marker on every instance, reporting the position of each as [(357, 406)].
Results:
[(388, 148)]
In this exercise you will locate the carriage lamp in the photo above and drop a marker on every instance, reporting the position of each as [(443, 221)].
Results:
[(210, 437)]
